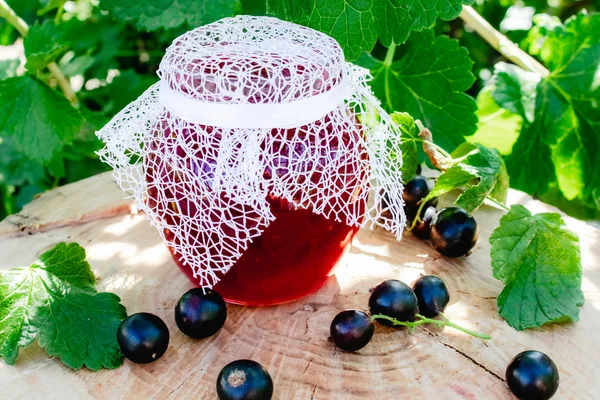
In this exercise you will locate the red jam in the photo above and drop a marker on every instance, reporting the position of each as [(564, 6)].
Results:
[(292, 258)]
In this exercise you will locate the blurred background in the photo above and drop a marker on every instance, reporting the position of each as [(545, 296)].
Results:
[(110, 63)]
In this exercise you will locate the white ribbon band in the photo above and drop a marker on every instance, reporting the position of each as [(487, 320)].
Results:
[(269, 115)]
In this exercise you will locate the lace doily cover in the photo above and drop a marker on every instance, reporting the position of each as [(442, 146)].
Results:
[(203, 149)]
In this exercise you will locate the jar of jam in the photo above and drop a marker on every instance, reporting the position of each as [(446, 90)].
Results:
[(259, 155)]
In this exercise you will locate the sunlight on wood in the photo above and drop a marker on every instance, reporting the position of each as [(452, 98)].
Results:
[(461, 314), (124, 225), (120, 282), (108, 250)]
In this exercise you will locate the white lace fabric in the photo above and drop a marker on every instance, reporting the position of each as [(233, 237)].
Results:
[(250, 109)]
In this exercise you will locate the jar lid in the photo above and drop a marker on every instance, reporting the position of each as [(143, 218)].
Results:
[(252, 60)]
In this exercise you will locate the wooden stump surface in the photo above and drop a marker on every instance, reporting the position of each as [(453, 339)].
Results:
[(291, 340)]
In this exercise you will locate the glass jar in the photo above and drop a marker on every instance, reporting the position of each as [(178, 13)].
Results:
[(260, 148), (295, 254)]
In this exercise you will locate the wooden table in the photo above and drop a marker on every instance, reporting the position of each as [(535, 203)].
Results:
[(291, 340)]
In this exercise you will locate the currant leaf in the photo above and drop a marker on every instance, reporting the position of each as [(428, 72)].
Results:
[(55, 300), (539, 261), (153, 15), (40, 120), (560, 135), (429, 82)]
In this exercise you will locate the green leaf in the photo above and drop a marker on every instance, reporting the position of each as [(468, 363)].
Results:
[(497, 128), (127, 87), (293, 10), (100, 37), (538, 259), (40, 120), (500, 190), (356, 24), (350, 22), (26, 194), (251, 7), (67, 262), (16, 295), (395, 19), (560, 135), (481, 173), (43, 44), (20, 177), (81, 329), (56, 167), (153, 15), (112, 98), (8, 68), (574, 208), (16, 169), (454, 178), (410, 155), (428, 82), (515, 89), (77, 65), (530, 155), (54, 300)]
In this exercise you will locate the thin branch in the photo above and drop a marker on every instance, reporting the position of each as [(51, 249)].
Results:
[(17, 22), (12, 18), (64, 84), (500, 42)]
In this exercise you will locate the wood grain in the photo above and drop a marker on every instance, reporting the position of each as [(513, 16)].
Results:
[(291, 340)]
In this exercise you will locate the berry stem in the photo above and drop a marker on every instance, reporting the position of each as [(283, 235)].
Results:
[(446, 322), (421, 320), (497, 203), (456, 161), (419, 210)]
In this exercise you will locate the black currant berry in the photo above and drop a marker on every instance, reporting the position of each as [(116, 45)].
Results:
[(422, 228), (244, 380), (532, 375), (200, 313), (453, 232), (351, 330), (411, 213), (143, 337), (394, 299), (415, 190), (432, 295)]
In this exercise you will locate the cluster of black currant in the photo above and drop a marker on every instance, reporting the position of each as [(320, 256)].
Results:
[(530, 375), (452, 231), (199, 313), (394, 303)]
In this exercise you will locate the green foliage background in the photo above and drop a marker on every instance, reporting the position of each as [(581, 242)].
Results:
[(111, 49)]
